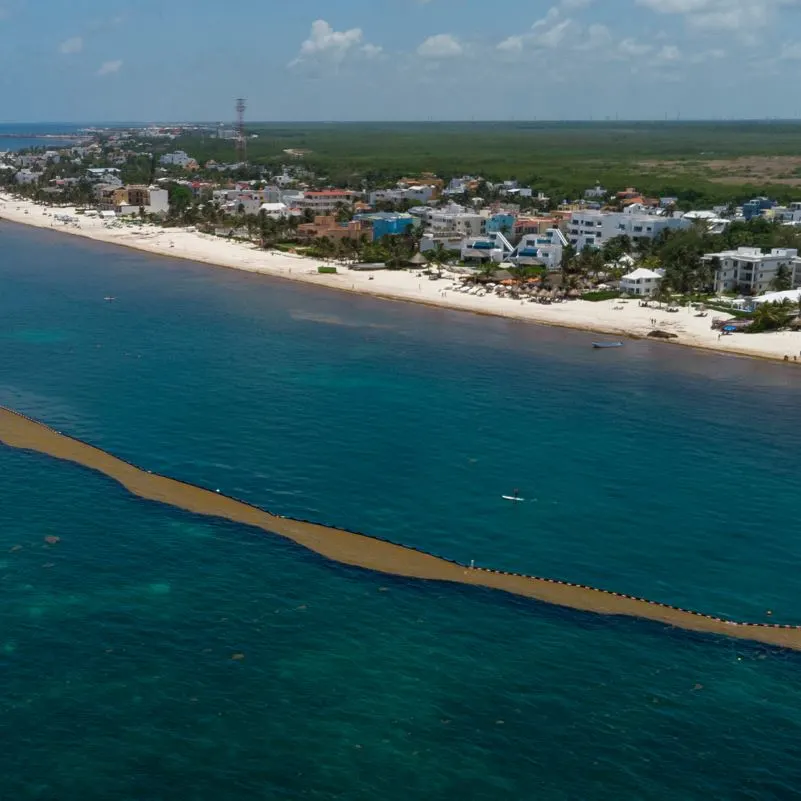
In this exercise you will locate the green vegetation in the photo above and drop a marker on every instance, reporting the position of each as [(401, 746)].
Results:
[(772, 316), (561, 159), (680, 252), (595, 297)]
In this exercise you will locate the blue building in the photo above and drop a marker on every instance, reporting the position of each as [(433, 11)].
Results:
[(387, 223), (755, 207), (501, 224)]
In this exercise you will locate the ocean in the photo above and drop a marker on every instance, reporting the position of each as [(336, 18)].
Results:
[(20, 136), (150, 653)]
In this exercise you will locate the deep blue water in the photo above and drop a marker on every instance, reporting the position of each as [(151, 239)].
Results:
[(652, 470), (17, 136)]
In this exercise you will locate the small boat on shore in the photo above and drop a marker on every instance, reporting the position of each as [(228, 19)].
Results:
[(607, 344)]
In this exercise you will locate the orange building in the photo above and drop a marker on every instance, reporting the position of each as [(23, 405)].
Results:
[(329, 227), (628, 196)]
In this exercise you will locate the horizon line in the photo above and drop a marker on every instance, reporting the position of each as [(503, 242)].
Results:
[(428, 121)]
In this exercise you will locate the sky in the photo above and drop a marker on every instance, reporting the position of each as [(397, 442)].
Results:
[(299, 60)]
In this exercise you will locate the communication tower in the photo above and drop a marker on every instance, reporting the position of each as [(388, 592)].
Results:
[(241, 141)]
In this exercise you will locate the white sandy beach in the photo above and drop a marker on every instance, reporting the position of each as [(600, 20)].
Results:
[(630, 320)]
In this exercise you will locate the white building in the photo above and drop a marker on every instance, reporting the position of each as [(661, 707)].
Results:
[(159, 201), (176, 159), (29, 160), (459, 186), (293, 198), (246, 201), (749, 271), (513, 189), (430, 240), (585, 229), (461, 223), (786, 214), (596, 228), (545, 249), (27, 177), (327, 201), (104, 174), (493, 247), (416, 194), (792, 295), (596, 193), (713, 222), (275, 211), (641, 282)]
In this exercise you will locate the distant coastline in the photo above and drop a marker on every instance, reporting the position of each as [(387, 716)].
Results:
[(613, 318)]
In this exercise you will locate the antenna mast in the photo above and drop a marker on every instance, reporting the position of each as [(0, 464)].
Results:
[(241, 141)]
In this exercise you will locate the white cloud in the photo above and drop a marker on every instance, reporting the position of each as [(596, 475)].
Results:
[(631, 48), (109, 67), (596, 37), (743, 16), (514, 44), (325, 45), (72, 45), (791, 51), (325, 41), (553, 37), (443, 45), (546, 33), (669, 53), (372, 51)]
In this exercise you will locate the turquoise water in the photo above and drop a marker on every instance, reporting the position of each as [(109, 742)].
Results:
[(652, 470), (17, 136)]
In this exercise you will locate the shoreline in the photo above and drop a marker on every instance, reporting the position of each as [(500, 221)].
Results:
[(616, 318)]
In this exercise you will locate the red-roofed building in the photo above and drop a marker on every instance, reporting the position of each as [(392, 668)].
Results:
[(329, 227), (534, 225)]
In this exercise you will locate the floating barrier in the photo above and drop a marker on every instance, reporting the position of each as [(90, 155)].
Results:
[(370, 552)]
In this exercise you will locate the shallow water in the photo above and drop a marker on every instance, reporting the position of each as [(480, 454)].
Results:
[(652, 470)]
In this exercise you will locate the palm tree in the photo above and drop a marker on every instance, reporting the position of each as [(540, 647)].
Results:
[(663, 293), (397, 250), (783, 279), (324, 247), (521, 273), (567, 265), (487, 269), (439, 255), (771, 316)]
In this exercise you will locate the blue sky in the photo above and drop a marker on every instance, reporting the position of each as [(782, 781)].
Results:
[(113, 60)]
